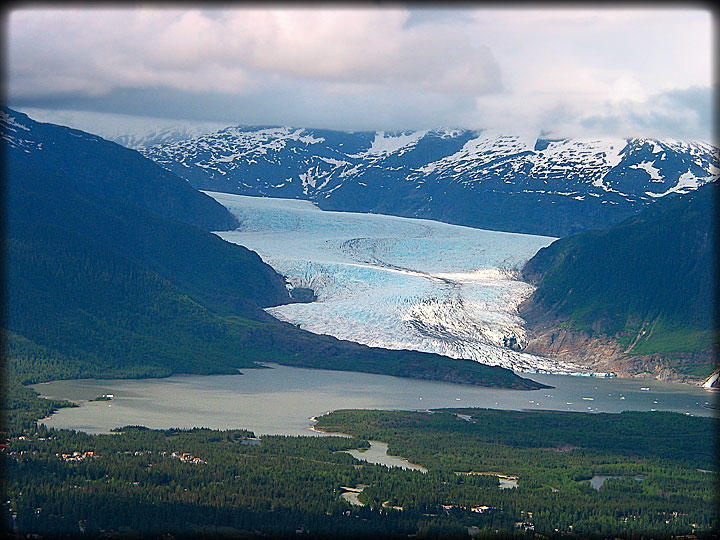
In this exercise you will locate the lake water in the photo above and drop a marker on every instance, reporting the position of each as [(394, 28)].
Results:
[(377, 454), (599, 479), (282, 400)]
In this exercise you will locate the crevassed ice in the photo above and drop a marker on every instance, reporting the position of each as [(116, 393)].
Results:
[(394, 282)]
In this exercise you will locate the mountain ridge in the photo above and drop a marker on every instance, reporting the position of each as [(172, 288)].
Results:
[(483, 179), (75, 161), (516, 182)]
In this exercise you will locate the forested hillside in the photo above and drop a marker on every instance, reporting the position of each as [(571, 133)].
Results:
[(64, 161), (108, 273), (648, 283), (80, 309)]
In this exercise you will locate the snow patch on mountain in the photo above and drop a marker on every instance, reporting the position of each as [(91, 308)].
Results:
[(9, 129), (18, 135), (687, 181), (576, 159), (392, 142), (648, 167), (263, 140), (482, 150), (11, 122)]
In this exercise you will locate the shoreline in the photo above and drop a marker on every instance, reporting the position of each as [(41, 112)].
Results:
[(409, 464), (261, 365), (312, 427)]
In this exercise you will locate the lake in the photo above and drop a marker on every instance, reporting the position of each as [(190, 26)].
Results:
[(598, 480), (282, 400), (377, 454)]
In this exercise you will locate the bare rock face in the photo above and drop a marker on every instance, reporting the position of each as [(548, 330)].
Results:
[(577, 347), (551, 337), (303, 294), (602, 354)]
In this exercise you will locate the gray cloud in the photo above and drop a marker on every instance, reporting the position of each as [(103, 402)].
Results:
[(92, 52), (571, 72), (682, 113), (306, 105)]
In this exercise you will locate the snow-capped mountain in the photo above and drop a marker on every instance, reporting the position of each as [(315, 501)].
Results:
[(511, 182), (485, 179)]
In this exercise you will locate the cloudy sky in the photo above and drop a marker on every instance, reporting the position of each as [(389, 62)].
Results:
[(567, 72)]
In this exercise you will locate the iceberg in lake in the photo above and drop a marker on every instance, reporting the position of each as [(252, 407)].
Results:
[(393, 282)]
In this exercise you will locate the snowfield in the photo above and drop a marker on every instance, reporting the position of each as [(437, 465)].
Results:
[(394, 282)]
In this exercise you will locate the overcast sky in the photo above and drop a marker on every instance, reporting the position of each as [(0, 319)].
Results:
[(569, 72)]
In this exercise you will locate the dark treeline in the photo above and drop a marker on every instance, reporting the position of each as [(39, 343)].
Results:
[(554, 455)]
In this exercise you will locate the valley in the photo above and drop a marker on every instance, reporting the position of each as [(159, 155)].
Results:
[(117, 253), (410, 334)]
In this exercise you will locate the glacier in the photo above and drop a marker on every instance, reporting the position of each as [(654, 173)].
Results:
[(393, 282)]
